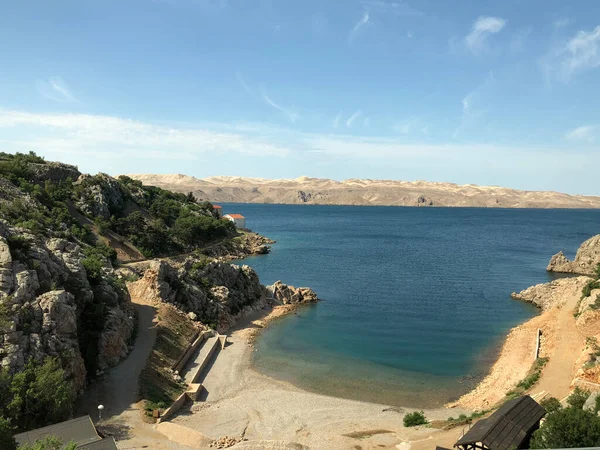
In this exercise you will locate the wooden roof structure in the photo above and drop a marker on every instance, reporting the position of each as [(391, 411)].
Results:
[(509, 427), (81, 431)]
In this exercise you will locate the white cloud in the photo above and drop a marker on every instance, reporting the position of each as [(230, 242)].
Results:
[(243, 83), (571, 57), (117, 137), (361, 23), (337, 120), (293, 116), (115, 144), (581, 53), (352, 118), (55, 89), (483, 27), (473, 105), (585, 133)]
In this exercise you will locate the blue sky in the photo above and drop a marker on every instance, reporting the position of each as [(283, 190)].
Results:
[(470, 91)]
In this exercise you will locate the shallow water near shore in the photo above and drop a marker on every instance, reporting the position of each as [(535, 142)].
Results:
[(416, 301)]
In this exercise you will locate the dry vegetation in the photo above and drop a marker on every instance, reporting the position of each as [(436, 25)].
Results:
[(158, 385)]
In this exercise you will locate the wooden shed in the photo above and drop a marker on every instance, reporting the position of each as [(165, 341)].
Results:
[(510, 427)]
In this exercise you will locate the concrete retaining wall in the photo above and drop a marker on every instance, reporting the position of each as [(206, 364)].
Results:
[(194, 389), (190, 349), (205, 361), (171, 410)]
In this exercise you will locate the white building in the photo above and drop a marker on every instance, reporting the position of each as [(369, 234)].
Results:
[(237, 219)]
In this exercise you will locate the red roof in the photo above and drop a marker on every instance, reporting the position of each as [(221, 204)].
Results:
[(236, 216), (217, 207)]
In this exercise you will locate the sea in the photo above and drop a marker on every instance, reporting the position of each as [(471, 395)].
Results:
[(415, 301)]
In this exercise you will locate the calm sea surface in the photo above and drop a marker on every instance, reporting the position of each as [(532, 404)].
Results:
[(416, 301)]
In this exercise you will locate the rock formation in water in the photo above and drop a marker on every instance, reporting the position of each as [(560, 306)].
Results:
[(586, 260), (289, 295), (548, 295), (316, 191)]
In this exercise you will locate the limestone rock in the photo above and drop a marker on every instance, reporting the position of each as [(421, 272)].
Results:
[(586, 260), (554, 293), (101, 196), (46, 290), (54, 171), (246, 244), (289, 295)]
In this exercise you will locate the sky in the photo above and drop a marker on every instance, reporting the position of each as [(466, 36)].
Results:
[(471, 91)]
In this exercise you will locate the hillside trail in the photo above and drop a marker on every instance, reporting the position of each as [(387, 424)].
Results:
[(558, 374), (118, 391)]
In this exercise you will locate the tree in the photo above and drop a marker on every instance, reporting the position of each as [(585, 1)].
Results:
[(7, 441), (37, 396), (49, 443), (578, 398), (568, 428), (551, 404)]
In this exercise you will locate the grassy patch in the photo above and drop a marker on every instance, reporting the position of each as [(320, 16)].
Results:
[(157, 386), (529, 381)]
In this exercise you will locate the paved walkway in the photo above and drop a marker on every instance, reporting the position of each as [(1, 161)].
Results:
[(118, 391)]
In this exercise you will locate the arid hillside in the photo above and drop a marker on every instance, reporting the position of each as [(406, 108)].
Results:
[(362, 192)]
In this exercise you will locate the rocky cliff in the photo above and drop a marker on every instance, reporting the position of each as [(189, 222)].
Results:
[(46, 300), (317, 191), (586, 262), (213, 292)]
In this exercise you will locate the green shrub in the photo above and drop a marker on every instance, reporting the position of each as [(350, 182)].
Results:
[(530, 380), (36, 396), (568, 428), (589, 287), (414, 418), (7, 441), (93, 266), (578, 398), (551, 404)]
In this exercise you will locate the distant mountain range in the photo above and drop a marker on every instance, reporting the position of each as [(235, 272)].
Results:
[(318, 191)]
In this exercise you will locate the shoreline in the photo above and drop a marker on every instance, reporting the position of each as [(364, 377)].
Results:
[(516, 357), (245, 404)]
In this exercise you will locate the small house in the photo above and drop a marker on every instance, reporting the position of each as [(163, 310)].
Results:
[(510, 427), (81, 431), (237, 219), (218, 210)]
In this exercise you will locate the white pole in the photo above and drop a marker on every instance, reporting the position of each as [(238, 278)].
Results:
[(100, 408)]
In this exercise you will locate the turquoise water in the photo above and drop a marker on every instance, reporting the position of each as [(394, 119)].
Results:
[(416, 301)]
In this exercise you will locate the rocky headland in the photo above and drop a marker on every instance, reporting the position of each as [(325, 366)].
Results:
[(586, 260), (318, 191), (569, 327), (82, 257)]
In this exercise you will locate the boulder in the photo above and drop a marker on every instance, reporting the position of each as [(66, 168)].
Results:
[(289, 295), (586, 260)]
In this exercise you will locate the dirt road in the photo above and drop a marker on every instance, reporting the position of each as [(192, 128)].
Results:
[(569, 343)]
